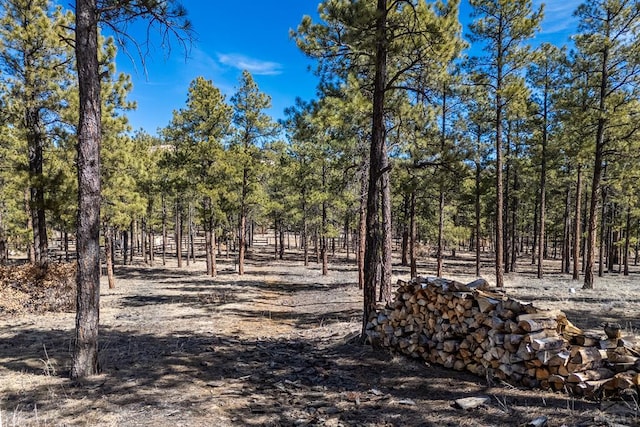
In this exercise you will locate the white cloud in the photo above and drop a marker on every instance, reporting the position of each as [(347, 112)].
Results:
[(558, 15), (254, 66)]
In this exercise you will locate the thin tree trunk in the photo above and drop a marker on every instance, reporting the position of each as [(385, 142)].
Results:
[(413, 268), (387, 238), (178, 234), (405, 232), (31, 252), (478, 166), (188, 245), (275, 239), (35, 141), (597, 171), (108, 255), (499, 249), (304, 239), (164, 231), (133, 237), (207, 242), (602, 234), (627, 240), (143, 238), (514, 215), (362, 226), (577, 235), (125, 246), (242, 240), (323, 243), (439, 251), (566, 251), (66, 246), (151, 246)]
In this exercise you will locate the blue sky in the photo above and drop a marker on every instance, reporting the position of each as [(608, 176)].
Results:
[(254, 35)]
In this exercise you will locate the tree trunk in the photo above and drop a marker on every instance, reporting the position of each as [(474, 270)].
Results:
[(478, 166), (603, 229), (499, 249), (143, 240), (439, 251), (275, 239), (208, 246), (66, 246), (164, 231), (133, 238), (125, 247), (597, 172), (242, 240), (178, 234), (188, 246), (413, 265), (346, 235), (304, 239), (108, 255), (4, 258), (85, 354), (38, 220), (151, 246), (362, 226), (627, 240), (577, 235), (323, 237), (192, 235), (506, 198), (514, 215), (387, 238), (566, 233), (31, 252), (376, 161), (405, 232), (35, 141)]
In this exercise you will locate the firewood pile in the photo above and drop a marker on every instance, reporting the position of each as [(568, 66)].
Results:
[(471, 327)]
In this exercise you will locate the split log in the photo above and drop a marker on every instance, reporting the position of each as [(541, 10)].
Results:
[(590, 375), (550, 343), (534, 325)]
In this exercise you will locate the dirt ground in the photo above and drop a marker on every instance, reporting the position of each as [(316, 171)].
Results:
[(277, 347)]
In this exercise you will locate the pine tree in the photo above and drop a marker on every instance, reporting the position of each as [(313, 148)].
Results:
[(502, 26), (88, 15), (36, 65), (388, 43), (546, 75), (608, 41), (252, 129), (205, 122)]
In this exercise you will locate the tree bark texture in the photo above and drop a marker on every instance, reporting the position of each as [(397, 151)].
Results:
[(85, 354), (376, 159)]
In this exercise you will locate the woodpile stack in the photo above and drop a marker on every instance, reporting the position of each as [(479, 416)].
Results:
[(470, 327)]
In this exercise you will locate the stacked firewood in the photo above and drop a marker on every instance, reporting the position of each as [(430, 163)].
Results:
[(470, 327)]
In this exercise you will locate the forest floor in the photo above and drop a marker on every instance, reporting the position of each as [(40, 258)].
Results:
[(277, 347)]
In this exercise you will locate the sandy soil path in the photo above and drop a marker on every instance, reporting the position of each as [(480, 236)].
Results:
[(273, 347)]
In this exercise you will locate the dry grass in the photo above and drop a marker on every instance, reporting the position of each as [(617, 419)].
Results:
[(273, 347)]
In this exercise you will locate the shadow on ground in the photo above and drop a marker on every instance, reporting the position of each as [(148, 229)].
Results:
[(271, 381), (304, 378)]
